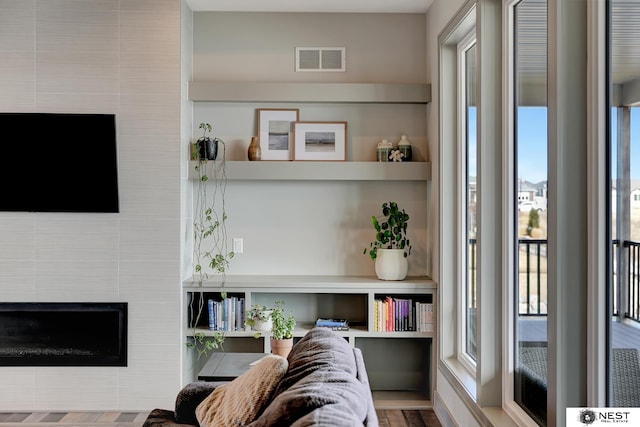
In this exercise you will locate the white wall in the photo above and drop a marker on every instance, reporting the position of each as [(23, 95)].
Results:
[(106, 56), (129, 67), (315, 227)]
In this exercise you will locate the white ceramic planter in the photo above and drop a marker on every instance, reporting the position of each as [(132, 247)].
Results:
[(263, 325), (391, 264)]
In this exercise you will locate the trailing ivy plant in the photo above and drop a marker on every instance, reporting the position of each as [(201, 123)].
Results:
[(210, 243)]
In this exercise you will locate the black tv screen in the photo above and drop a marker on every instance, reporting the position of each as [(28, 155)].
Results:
[(53, 162)]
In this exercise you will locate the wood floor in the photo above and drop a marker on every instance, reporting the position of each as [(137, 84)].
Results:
[(72, 419), (387, 418), (407, 418)]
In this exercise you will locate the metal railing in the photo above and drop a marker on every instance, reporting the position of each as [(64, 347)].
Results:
[(633, 279), (532, 276)]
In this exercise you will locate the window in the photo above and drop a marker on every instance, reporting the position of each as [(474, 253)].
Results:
[(623, 305), (467, 149), (530, 244), (468, 146), (458, 196)]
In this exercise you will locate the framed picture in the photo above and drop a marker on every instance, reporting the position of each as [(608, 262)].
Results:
[(320, 141), (274, 129)]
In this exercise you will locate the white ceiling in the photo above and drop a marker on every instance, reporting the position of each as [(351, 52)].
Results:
[(338, 6)]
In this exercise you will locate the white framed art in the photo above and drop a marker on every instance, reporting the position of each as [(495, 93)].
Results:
[(274, 130), (320, 141)]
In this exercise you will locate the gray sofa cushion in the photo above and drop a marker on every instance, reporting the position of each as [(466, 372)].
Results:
[(190, 397), (321, 386)]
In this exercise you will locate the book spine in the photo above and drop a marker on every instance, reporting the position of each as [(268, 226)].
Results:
[(212, 322)]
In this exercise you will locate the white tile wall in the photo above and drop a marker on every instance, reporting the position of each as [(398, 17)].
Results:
[(104, 56)]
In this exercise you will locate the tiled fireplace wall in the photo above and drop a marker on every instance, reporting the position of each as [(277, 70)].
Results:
[(103, 56)]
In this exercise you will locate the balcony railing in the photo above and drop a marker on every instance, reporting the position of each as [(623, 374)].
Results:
[(632, 279), (532, 276)]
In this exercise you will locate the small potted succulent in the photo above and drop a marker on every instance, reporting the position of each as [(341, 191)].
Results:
[(392, 246), (258, 317)]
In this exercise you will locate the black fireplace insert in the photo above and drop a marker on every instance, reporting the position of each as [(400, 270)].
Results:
[(63, 334)]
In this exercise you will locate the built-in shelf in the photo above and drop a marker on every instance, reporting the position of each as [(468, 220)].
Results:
[(318, 171), (406, 382), (403, 93), (333, 283)]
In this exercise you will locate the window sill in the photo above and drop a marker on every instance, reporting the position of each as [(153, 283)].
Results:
[(461, 380)]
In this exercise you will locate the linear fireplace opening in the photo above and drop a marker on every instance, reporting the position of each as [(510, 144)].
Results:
[(63, 334)]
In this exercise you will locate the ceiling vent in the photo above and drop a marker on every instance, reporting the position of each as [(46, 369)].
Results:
[(320, 59)]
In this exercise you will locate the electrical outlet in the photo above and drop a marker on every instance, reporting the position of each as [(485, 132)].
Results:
[(238, 245)]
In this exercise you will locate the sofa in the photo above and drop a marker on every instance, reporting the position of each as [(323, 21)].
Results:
[(322, 382)]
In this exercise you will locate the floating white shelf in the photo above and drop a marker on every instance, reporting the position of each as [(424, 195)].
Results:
[(319, 171), (392, 93)]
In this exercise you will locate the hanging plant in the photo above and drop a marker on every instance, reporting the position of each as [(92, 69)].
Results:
[(210, 242)]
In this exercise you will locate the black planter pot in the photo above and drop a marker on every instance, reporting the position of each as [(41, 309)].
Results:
[(208, 148)]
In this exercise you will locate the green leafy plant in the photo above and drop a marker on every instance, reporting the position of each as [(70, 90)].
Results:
[(534, 220), (210, 242), (203, 344), (257, 314), (391, 231), (282, 324)]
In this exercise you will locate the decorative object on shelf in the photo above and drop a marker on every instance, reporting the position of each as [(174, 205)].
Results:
[(281, 330), (258, 317), (210, 245), (207, 147), (320, 141), (391, 264), (396, 156), (274, 132), (391, 248), (333, 324), (404, 145), (255, 151), (384, 150)]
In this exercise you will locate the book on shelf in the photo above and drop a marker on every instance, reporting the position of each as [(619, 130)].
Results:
[(335, 324), (402, 314), (226, 315)]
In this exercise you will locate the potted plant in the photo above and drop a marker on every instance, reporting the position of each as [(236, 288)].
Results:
[(258, 317), (205, 148), (281, 330), (282, 326), (392, 246), (210, 245)]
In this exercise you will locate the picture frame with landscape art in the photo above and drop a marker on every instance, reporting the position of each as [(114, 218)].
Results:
[(274, 130), (320, 141)]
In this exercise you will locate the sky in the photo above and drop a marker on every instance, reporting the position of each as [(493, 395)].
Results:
[(532, 143)]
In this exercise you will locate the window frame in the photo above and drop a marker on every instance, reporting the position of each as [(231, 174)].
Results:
[(467, 42)]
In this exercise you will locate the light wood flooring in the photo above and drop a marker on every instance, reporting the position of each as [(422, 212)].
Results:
[(69, 419)]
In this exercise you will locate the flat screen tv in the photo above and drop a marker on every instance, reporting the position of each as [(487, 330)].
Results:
[(53, 162)]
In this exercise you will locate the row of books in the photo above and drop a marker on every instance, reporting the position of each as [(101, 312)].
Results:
[(226, 315), (402, 314)]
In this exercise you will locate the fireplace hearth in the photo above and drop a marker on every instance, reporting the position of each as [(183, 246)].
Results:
[(63, 334)]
